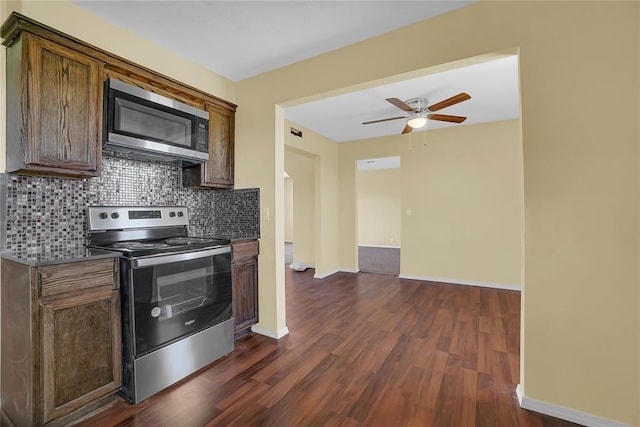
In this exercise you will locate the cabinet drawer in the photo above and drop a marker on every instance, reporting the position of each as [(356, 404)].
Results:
[(60, 278), (245, 249)]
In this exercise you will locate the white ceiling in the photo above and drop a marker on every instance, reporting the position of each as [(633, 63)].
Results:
[(493, 87), (240, 39)]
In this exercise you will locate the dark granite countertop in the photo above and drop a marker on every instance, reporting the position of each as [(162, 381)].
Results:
[(61, 256), (231, 238), (240, 239)]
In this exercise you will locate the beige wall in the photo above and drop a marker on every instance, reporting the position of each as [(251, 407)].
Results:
[(464, 189), (580, 299), (301, 168), (463, 186), (378, 210), (288, 210)]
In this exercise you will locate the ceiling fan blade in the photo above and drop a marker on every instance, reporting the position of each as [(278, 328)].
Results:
[(449, 101), (400, 104), (447, 118), (384, 120), (407, 129)]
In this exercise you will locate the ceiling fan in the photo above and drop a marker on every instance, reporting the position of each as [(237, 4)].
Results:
[(419, 111)]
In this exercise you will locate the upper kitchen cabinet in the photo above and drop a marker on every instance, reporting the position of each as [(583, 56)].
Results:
[(218, 171), (54, 109), (55, 86)]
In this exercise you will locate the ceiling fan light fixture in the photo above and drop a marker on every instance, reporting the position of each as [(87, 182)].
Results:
[(419, 111), (417, 122)]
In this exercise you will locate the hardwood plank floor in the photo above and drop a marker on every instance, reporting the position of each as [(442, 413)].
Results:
[(363, 350)]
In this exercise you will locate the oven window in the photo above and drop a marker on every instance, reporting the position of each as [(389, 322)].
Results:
[(181, 292), (151, 123), (177, 299)]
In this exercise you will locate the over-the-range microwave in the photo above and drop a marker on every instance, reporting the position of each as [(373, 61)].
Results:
[(151, 126)]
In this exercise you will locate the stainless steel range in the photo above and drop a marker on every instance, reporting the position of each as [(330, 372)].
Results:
[(175, 293)]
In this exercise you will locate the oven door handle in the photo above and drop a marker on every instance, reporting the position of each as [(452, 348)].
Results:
[(185, 256)]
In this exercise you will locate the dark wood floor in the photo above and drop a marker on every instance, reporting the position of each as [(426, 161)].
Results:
[(363, 350)]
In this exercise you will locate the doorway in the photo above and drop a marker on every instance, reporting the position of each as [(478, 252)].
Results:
[(300, 209), (288, 219), (378, 184)]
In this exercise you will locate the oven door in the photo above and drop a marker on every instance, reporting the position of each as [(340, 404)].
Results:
[(179, 294)]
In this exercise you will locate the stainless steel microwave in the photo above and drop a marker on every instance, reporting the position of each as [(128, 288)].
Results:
[(151, 126)]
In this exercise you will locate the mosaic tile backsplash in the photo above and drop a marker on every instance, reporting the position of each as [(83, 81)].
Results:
[(237, 213), (42, 214)]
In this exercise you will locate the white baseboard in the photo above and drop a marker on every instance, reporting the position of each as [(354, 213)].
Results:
[(270, 333), (323, 275), (462, 282), (519, 394), (380, 246), (562, 412), (341, 270)]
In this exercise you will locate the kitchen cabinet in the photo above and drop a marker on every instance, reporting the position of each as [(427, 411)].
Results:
[(54, 105), (217, 172), (61, 340), (245, 285), (54, 109)]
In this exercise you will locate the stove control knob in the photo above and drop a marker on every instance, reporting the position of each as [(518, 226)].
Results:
[(172, 214), (115, 215), (103, 215), (180, 213)]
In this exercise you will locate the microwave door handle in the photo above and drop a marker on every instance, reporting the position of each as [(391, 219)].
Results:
[(154, 147), (184, 256)]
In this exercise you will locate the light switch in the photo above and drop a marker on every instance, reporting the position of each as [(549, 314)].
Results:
[(408, 212), (265, 214)]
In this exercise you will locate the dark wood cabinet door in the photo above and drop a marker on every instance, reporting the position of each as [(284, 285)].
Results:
[(219, 168), (62, 94), (81, 350), (217, 172), (245, 293)]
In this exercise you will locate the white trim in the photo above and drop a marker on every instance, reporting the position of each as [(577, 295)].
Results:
[(462, 282), (562, 412), (349, 270), (380, 246), (269, 333), (519, 393), (323, 275)]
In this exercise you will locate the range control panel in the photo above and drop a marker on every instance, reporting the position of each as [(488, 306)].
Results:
[(124, 217)]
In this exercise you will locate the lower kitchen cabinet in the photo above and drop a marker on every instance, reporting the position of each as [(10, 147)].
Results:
[(245, 285), (61, 340)]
